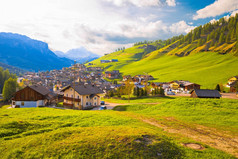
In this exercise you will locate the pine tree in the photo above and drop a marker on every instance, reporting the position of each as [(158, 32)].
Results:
[(228, 38), (135, 91), (221, 38), (218, 87), (212, 43), (199, 43)]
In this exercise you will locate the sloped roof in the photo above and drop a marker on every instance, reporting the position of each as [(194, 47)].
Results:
[(187, 84), (40, 89), (207, 93), (85, 89)]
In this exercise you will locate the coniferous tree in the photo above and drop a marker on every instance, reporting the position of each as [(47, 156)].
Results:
[(221, 38), (218, 87), (212, 43)]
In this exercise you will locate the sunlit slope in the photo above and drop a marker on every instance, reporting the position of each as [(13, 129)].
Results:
[(206, 69), (124, 57)]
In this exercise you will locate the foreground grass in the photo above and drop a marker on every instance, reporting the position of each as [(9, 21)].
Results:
[(55, 133), (218, 113)]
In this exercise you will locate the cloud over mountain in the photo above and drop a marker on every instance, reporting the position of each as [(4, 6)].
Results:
[(219, 7)]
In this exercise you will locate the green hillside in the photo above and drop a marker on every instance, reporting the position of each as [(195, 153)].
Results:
[(134, 131), (207, 55)]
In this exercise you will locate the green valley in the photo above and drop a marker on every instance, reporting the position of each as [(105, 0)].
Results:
[(207, 55)]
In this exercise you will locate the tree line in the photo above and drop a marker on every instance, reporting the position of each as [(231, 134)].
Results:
[(213, 34), (8, 84)]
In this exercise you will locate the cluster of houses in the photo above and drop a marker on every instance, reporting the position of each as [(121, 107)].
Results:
[(233, 83), (80, 87)]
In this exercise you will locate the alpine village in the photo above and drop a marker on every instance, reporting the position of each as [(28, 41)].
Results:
[(170, 98)]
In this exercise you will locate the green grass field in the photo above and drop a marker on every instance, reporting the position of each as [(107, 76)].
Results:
[(205, 68), (119, 133)]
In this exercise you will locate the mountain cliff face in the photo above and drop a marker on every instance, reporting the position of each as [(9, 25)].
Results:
[(26, 53), (81, 55)]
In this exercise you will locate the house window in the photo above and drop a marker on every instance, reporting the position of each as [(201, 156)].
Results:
[(86, 103), (95, 104), (70, 89), (95, 98), (86, 96), (66, 95), (78, 97), (22, 103), (72, 96), (13, 103)]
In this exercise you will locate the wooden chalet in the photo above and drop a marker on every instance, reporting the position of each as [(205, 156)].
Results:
[(191, 86), (205, 93), (32, 96), (233, 86)]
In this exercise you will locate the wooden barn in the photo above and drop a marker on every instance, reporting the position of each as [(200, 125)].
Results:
[(190, 86), (32, 96), (205, 93)]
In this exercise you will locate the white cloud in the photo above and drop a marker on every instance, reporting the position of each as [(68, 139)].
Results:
[(143, 3), (181, 27), (234, 13), (90, 24), (171, 3), (217, 8)]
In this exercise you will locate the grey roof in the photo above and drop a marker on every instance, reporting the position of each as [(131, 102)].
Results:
[(206, 93), (85, 89), (40, 89)]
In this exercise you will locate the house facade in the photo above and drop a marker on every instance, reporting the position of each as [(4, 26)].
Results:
[(32, 96), (232, 80), (233, 86), (82, 96), (112, 74), (191, 86)]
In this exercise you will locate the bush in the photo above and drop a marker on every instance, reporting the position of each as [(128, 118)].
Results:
[(60, 104)]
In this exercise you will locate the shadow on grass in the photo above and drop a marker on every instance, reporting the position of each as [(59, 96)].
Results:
[(148, 97)]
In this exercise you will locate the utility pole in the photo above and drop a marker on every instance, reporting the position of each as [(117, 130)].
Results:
[(74, 86)]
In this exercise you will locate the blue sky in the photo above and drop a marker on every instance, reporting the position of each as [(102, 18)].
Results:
[(101, 26)]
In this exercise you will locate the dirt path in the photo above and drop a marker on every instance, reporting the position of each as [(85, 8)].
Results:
[(210, 136), (229, 95)]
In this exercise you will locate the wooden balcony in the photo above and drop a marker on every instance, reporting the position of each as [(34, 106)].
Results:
[(72, 99)]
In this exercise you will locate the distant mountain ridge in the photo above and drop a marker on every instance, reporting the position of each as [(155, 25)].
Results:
[(81, 55), (29, 54), (12, 69)]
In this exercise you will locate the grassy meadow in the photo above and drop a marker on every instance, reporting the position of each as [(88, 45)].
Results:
[(205, 68), (128, 131)]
